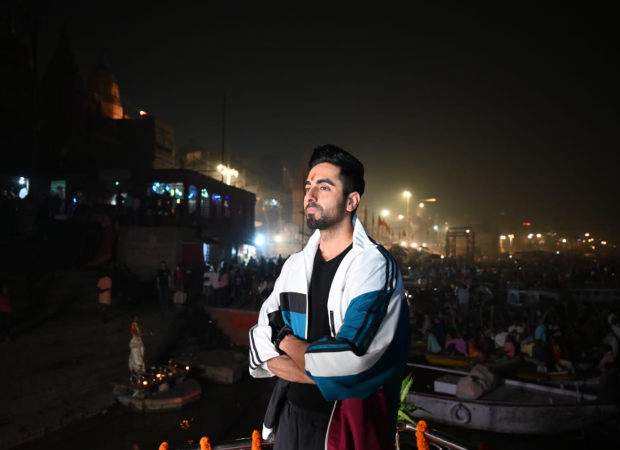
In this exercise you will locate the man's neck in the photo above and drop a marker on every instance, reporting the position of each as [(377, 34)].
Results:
[(335, 240)]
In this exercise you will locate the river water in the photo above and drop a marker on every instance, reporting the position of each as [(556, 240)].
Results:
[(231, 412)]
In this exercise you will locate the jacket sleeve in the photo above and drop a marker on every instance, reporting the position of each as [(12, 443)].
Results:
[(270, 321), (372, 343)]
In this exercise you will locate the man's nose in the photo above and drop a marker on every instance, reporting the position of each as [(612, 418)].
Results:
[(310, 195)]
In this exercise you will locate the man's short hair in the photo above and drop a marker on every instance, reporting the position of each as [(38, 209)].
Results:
[(351, 169)]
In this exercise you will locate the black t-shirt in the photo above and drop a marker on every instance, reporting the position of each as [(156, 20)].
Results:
[(309, 396), (163, 275)]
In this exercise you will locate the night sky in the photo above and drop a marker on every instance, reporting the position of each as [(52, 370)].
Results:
[(497, 113)]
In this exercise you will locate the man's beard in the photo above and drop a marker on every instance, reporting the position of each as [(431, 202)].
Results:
[(328, 219)]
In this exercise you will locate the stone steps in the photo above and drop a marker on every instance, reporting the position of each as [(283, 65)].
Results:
[(65, 369)]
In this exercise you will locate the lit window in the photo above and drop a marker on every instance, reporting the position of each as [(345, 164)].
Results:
[(204, 203)]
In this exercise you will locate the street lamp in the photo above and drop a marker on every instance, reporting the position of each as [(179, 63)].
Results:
[(228, 172), (407, 195)]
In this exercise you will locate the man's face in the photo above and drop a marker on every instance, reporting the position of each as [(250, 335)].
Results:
[(324, 202)]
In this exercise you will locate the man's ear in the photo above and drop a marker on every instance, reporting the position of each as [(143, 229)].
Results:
[(352, 201)]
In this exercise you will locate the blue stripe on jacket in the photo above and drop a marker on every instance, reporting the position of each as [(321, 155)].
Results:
[(296, 322), (361, 322), (390, 365)]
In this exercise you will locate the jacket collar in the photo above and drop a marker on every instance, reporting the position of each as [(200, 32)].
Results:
[(360, 242)]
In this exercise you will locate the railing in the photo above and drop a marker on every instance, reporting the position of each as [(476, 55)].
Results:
[(435, 439), (236, 444)]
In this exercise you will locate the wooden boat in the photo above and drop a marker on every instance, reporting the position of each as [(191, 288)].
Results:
[(163, 388), (455, 362), (158, 401), (513, 406)]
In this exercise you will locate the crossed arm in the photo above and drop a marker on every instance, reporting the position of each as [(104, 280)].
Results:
[(292, 366)]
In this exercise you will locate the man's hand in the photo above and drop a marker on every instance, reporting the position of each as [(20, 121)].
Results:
[(285, 368), (296, 349)]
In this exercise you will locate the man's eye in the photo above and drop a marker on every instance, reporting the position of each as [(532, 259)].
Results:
[(324, 188)]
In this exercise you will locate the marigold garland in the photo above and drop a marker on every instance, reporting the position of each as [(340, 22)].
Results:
[(421, 428), (164, 446), (257, 443), (205, 443)]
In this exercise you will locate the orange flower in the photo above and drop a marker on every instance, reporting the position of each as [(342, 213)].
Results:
[(164, 446), (421, 428), (205, 443), (257, 443)]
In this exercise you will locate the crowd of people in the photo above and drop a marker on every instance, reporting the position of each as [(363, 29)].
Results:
[(244, 284), (460, 309), (224, 284)]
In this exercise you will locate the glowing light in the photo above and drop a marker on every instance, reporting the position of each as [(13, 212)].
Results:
[(510, 256), (564, 241), (407, 194), (414, 245), (116, 183), (442, 257), (558, 252), (603, 242), (401, 217), (385, 213), (229, 172), (421, 205), (22, 180), (145, 382), (587, 235), (538, 235), (143, 113), (530, 236), (259, 240), (424, 245), (502, 237), (404, 244), (278, 238), (466, 231), (186, 367), (435, 227)]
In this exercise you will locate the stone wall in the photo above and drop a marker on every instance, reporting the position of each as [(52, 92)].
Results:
[(234, 323), (143, 248)]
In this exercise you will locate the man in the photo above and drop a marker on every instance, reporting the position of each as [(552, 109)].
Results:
[(136, 346), (463, 297), (164, 282), (335, 328), (104, 284), (541, 331)]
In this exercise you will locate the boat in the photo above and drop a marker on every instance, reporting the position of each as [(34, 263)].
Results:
[(512, 406), (175, 398), (162, 388), (456, 362)]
